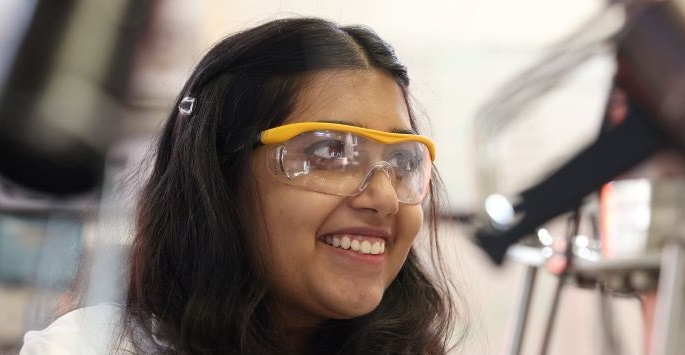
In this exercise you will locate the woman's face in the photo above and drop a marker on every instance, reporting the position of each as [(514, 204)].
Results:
[(310, 279)]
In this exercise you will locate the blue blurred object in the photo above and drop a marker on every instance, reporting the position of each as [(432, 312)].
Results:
[(44, 252)]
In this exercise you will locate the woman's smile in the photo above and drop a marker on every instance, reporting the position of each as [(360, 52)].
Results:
[(360, 244)]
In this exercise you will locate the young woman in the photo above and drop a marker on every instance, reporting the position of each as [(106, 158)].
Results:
[(289, 186)]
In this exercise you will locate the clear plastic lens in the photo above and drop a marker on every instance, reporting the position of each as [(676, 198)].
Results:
[(339, 163)]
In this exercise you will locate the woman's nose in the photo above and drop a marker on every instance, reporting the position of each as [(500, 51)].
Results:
[(378, 191)]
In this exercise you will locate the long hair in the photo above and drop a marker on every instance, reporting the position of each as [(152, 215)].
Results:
[(197, 282)]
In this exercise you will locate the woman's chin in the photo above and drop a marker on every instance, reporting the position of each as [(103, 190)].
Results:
[(357, 307)]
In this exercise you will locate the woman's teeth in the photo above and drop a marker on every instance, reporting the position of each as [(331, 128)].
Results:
[(360, 244)]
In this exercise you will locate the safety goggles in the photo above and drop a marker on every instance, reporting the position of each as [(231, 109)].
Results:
[(340, 159)]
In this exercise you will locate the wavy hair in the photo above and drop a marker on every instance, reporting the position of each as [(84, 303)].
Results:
[(197, 282)]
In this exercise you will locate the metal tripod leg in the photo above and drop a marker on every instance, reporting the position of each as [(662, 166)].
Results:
[(523, 305), (669, 302)]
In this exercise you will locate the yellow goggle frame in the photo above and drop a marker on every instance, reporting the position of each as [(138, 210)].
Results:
[(286, 132)]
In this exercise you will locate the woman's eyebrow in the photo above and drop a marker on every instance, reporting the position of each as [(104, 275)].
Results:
[(394, 130), (404, 131), (348, 123)]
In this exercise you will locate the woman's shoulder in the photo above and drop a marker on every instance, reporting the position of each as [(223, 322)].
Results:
[(90, 330)]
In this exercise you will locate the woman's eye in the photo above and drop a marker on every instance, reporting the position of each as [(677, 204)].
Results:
[(330, 149), (404, 160)]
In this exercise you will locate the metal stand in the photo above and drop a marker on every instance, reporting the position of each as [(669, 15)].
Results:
[(518, 331), (666, 331), (670, 293)]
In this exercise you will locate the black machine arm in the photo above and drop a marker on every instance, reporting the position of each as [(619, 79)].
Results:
[(651, 71)]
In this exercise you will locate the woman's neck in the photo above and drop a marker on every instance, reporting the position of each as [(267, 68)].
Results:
[(297, 328), (299, 339)]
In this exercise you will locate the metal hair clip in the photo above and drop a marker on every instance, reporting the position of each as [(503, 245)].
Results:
[(186, 105)]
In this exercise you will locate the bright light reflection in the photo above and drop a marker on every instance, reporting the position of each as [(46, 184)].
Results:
[(499, 209), (544, 237), (582, 241)]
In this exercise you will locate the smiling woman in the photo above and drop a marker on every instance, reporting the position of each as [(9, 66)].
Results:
[(250, 241)]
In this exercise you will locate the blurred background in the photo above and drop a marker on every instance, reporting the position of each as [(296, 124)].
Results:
[(122, 63)]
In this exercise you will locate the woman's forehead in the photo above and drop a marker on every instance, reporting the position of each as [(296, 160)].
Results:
[(366, 98)]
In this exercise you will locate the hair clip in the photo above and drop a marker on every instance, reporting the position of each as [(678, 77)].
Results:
[(186, 105)]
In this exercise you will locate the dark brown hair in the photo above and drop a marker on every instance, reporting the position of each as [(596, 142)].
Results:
[(194, 270)]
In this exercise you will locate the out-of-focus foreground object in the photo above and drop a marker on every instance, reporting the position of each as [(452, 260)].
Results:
[(62, 93), (66, 68)]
